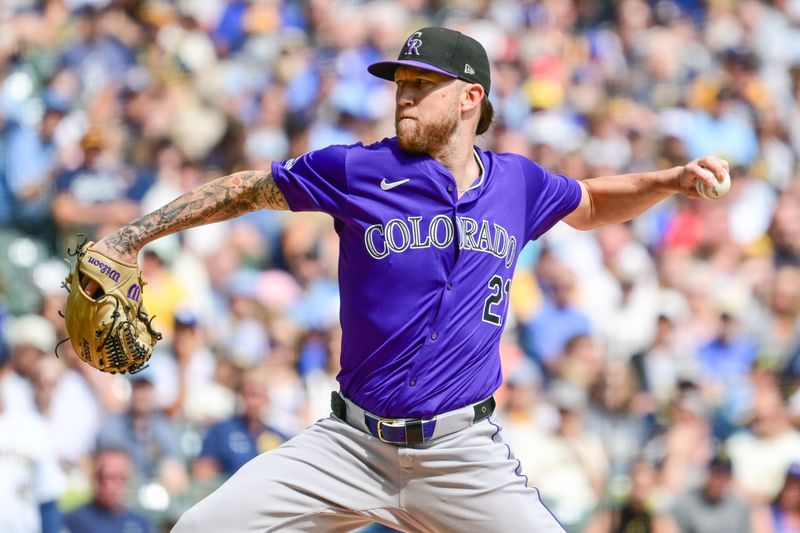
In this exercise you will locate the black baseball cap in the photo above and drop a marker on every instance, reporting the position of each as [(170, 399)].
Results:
[(441, 50)]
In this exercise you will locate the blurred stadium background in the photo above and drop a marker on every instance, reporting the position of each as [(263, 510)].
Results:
[(644, 362)]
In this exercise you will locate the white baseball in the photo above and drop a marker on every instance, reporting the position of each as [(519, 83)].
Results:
[(719, 189)]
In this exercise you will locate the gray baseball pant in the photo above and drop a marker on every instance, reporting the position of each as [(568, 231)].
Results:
[(333, 477)]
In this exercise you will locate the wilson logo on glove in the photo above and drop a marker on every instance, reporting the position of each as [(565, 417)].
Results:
[(104, 268), (133, 292)]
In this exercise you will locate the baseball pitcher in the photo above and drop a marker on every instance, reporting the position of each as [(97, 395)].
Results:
[(430, 229)]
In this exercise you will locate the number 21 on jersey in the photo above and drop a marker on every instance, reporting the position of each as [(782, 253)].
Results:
[(493, 306)]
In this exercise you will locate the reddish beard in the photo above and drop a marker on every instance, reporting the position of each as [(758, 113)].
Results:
[(414, 135)]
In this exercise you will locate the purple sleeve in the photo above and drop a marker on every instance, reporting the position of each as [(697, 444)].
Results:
[(315, 181), (550, 197)]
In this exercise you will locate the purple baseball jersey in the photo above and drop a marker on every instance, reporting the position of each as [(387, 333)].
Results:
[(424, 275)]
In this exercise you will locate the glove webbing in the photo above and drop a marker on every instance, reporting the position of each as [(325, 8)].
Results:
[(123, 332)]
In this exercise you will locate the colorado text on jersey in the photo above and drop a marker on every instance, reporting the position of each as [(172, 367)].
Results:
[(398, 235)]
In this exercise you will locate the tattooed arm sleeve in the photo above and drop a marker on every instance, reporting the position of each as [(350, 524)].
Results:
[(222, 199)]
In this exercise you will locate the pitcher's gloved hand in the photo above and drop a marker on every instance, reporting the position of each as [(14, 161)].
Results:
[(105, 318)]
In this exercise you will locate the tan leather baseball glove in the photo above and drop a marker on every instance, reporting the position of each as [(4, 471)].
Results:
[(110, 329)]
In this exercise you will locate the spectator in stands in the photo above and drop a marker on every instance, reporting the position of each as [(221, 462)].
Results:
[(642, 509), (30, 338), (786, 506), (784, 230), (245, 341), (686, 445), (321, 350), (762, 453), (666, 363), (29, 172), (107, 512), (184, 371), (557, 321), (725, 130), (56, 391), (713, 506), (148, 437), (782, 515), (725, 365), (568, 465), (776, 327), (156, 263), (30, 478), (525, 411), (229, 444), (97, 54), (617, 419), (581, 362), (95, 194)]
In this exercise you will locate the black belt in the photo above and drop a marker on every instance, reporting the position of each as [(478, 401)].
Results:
[(408, 430)]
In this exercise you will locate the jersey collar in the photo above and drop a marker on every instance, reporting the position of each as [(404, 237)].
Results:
[(482, 174)]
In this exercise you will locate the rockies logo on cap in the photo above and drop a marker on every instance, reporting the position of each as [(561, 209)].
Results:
[(413, 43), (441, 50)]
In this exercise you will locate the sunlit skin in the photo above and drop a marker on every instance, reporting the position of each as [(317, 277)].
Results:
[(426, 109), (437, 115), (112, 472)]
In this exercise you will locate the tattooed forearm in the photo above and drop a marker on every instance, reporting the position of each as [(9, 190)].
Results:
[(221, 199)]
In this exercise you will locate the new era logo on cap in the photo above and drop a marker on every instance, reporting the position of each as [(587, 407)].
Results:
[(441, 50)]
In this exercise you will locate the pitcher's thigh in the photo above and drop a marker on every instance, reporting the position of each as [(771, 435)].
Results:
[(473, 483), (310, 483), (493, 510)]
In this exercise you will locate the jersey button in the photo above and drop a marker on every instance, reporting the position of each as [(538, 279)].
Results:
[(450, 188), (449, 286), (434, 335), (413, 382)]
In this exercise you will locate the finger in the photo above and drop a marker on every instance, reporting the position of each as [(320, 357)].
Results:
[(716, 166), (90, 286), (705, 175), (722, 162)]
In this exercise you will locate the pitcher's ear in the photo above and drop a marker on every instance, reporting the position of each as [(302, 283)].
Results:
[(471, 96)]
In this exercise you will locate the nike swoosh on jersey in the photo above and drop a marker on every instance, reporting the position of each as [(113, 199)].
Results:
[(386, 186)]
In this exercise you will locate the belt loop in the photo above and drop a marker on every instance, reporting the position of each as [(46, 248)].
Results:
[(338, 406), (414, 433), (484, 409)]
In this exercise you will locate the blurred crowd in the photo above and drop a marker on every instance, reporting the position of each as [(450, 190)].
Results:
[(652, 369)]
